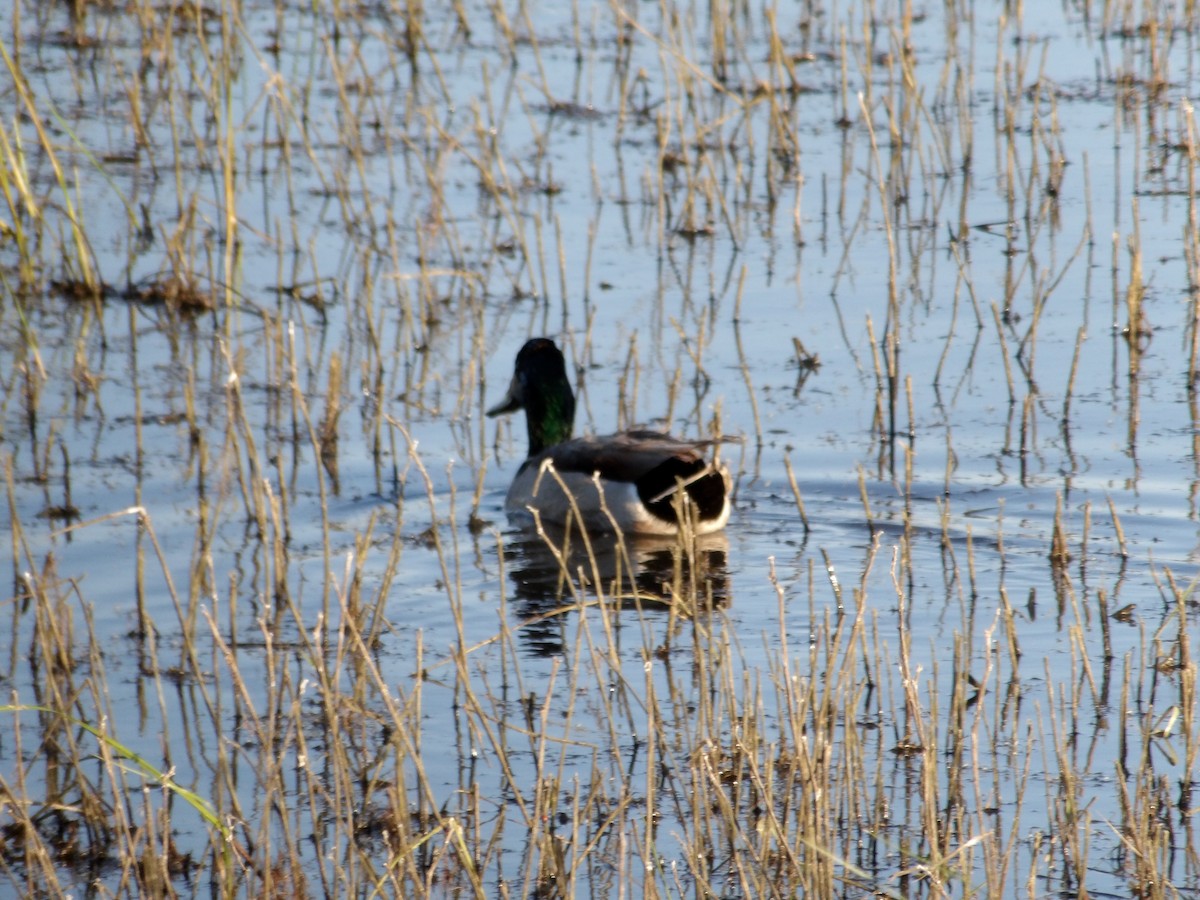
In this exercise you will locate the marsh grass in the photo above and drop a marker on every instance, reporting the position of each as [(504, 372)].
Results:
[(258, 264), (676, 768)]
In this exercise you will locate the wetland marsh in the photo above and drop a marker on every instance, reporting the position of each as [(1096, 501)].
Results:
[(264, 266)]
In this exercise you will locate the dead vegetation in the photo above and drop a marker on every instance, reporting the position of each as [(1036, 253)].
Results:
[(267, 636)]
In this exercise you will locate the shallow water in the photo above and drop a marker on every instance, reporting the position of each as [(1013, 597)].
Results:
[(410, 224)]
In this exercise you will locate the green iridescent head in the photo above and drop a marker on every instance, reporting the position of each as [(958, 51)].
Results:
[(541, 388)]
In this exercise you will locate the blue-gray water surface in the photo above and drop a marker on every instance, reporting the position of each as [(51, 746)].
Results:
[(949, 273)]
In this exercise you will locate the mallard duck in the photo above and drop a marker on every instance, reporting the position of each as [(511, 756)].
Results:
[(626, 482)]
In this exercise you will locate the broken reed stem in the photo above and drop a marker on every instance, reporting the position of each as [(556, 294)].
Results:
[(1080, 336), (1008, 376), (1010, 631), (787, 464), (1060, 552), (1120, 532), (743, 363)]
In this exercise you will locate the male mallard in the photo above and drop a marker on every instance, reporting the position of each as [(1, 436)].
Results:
[(626, 481)]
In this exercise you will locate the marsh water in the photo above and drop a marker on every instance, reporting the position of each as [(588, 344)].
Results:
[(936, 268)]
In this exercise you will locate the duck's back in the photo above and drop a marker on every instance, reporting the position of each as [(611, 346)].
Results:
[(626, 482)]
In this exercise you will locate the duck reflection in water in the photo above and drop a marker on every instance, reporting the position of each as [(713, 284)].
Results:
[(554, 570)]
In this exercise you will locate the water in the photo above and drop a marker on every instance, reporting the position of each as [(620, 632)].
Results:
[(408, 221)]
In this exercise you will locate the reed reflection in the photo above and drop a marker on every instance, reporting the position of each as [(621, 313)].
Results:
[(554, 570)]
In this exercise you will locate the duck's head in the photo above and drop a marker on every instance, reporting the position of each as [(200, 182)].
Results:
[(541, 388)]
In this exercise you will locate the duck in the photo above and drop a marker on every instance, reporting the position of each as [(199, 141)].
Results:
[(626, 482)]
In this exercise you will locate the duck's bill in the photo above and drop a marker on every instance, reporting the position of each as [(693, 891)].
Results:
[(510, 404)]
